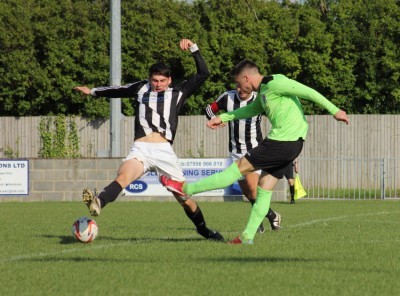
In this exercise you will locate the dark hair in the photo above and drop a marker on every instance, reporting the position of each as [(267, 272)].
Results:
[(160, 69), (243, 65)]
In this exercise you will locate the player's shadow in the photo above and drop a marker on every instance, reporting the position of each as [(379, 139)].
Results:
[(149, 239), (283, 202), (248, 259), (69, 239), (78, 259), (64, 239)]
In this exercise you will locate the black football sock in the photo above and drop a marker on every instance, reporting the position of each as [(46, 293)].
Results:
[(109, 193), (198, 220), (291, 188), (271, 215)]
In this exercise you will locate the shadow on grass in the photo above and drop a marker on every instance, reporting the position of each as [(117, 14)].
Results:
[(77, 259), (247, 259), (69, 239), (283, 202), (151, 239), (64, 239), (241, 260)]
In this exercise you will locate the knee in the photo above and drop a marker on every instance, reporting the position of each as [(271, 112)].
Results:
[(244, 166), (123, 180), (186, 203), (251, 194)]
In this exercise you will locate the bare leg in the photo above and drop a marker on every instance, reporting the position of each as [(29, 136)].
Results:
[(129, 171), (195, 214)]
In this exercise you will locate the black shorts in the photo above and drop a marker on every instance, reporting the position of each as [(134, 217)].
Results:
[(273, 156)]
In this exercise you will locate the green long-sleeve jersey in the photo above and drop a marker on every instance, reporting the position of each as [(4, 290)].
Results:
[(278, 97)]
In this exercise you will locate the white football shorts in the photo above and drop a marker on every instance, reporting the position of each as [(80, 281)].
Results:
[(157, 157)]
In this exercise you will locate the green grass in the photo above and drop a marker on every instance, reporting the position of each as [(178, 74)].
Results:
[(150, 248)]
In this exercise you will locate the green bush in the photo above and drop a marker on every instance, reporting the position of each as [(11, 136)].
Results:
[(59, 139), (347, 50)]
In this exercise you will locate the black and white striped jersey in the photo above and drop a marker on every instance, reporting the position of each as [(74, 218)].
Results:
[(158, 111), (244, 134)]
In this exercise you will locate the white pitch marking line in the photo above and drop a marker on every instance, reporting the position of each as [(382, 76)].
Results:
[(66, 251), (337, 218), (38, 255)]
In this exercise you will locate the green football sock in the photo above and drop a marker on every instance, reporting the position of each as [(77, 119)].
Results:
[(215, 181), (258, 212)]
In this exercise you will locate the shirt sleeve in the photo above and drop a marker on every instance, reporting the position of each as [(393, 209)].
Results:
[(116, 91), (248, 111), (290, 87), (189, 86), (218, 105)]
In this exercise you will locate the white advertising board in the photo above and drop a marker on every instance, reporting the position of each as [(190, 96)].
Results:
[(193, 169), (14, 177)]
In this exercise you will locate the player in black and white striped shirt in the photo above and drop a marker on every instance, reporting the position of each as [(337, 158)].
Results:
[(244, 135), (157, 107)]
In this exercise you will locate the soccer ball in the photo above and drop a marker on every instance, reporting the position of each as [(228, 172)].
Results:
[(85, 229)]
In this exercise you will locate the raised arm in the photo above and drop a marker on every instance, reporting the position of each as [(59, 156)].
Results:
[(124, 91), (290, 87), (189, 86)]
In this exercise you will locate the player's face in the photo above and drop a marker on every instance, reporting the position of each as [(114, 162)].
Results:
[(159, 83), (243, 85), (243, 94)]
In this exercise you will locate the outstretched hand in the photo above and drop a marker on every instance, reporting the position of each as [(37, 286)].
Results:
[(185, 44), (215, 123), (341, 116), (83, 89)]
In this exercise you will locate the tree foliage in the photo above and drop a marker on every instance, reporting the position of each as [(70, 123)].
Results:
[(347, 50)]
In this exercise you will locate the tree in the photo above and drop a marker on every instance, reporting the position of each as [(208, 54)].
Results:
[(347, 50), (47, 46)]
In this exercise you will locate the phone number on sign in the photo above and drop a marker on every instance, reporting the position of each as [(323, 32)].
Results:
[(208, 163)]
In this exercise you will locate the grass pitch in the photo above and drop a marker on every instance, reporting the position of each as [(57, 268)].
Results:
[(151, 248)]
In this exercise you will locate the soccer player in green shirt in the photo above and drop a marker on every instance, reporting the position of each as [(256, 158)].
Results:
[(278, 97)]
